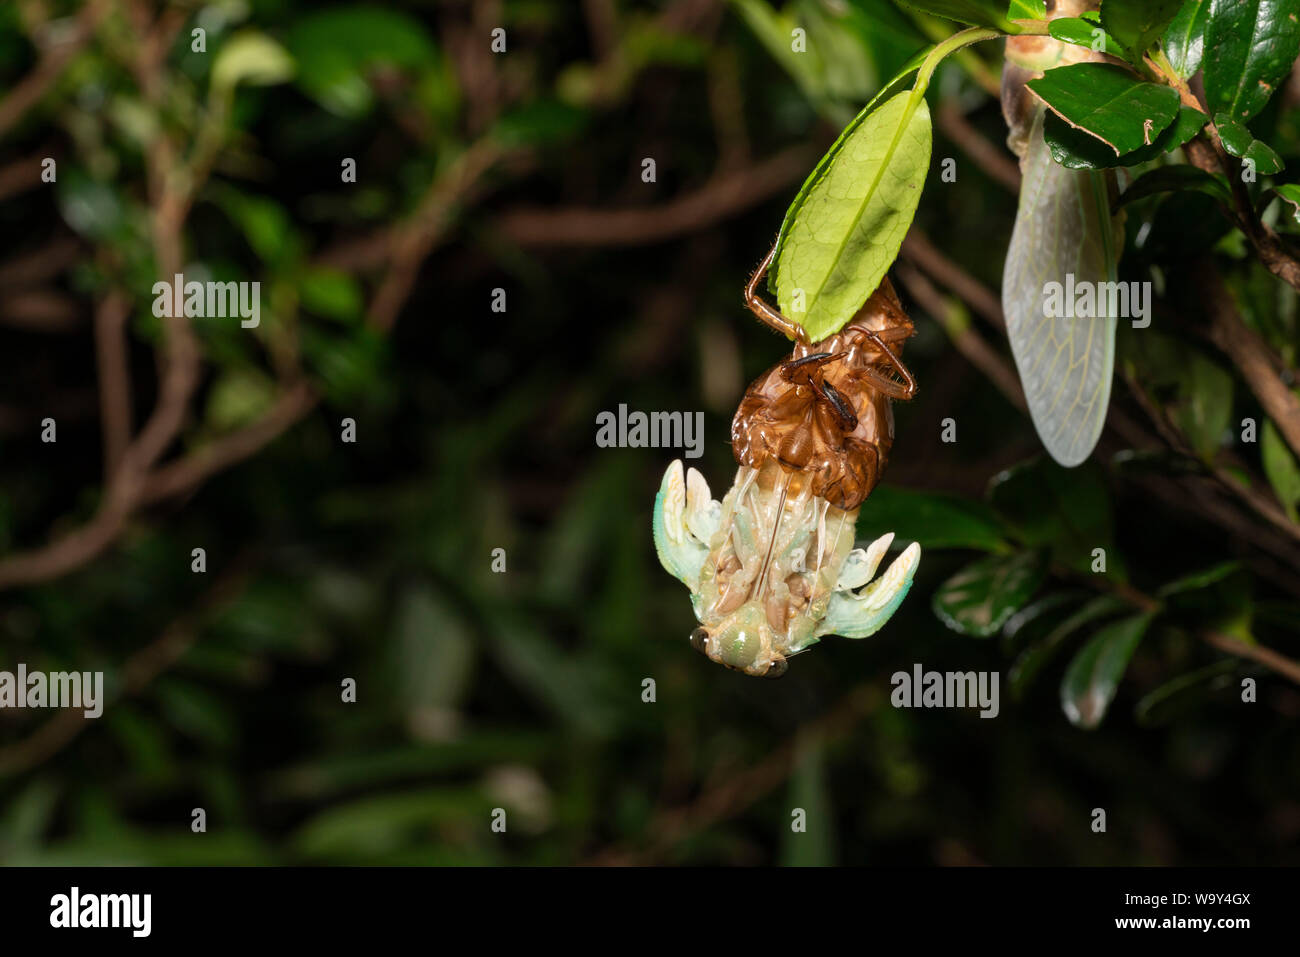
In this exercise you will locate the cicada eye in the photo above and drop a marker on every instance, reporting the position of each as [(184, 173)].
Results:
[(700, 640), (777, 668)]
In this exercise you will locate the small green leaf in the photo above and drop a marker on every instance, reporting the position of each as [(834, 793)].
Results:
[(1109, 103), (253, 58), (1084, 33), (1250, 47), (847, 224), (1032, 660), (1238, 141), (1137, 23), (933, 520), (1217, 597), (1167, 179), (980, 598), (1176, 698), (1091, 680), (338, 46), (1281, 469), (1184, 41), (1075, 149), (332, 293), (978, 13), (1027, 10), (1290, 193)]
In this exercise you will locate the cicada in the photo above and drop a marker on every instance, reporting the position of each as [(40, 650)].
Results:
[(772, 568)]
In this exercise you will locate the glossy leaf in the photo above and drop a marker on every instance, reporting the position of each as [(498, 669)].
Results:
[(1063, 228), (1238, 141), (1250, 46), (1179, 696), (1036, 656), (1027, 10), (1108, 102), (1184, 40), (979, 13), (1084, 33), (1075, 149), (1167, 179), (1136, 24), (980, 598), (1093, 677), (1289, 193), (933, 520), (847, 225)]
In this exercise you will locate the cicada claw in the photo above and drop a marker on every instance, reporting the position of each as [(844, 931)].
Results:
[(859, 614), (686, 518)]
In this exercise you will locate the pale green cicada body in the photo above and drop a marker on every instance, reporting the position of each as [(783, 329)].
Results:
[(772, 568)]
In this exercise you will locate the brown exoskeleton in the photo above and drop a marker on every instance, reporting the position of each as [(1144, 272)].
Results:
[(772, 567)]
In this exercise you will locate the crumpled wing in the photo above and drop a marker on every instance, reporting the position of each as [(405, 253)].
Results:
[(1063, 226)]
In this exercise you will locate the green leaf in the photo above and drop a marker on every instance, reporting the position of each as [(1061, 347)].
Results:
[(929, 518), (1065, 510), (1091, 680), (332, 293), (1250, 46), (1084, 33), (1137, 23), (238, 397), (1167, 179), (1027, 10), (1075, 149), (1175, 698), (250, 57), (980, 598), (1184, 41), (1194, 389), (1032, 660), (1064, 363), (337, 47), (1290, 193), (1217, 597), (545, 122), (847, 224), (978, 13), (1238, 141), (1109, 103), (1281, 469)]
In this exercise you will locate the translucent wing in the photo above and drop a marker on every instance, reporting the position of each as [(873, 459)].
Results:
[(1063, 234)]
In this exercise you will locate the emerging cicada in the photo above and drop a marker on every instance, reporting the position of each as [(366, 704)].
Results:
[(772, 568)]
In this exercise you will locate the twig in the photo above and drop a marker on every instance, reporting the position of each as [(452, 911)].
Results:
[(1250, 354), (918, 249), (50, 66), (993, 160), (114, 378), (978, 352), (721, 197)]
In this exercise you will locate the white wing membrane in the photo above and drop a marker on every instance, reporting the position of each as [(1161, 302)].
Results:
[(1063, 234)]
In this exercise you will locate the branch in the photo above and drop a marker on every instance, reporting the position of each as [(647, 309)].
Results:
[(1250, 354), (723, 196), (50, 65)]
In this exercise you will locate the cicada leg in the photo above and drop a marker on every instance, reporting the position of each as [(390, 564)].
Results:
[(883, 383), (769, 316)]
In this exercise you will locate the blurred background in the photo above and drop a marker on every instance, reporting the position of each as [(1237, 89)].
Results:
[(326, 560)]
